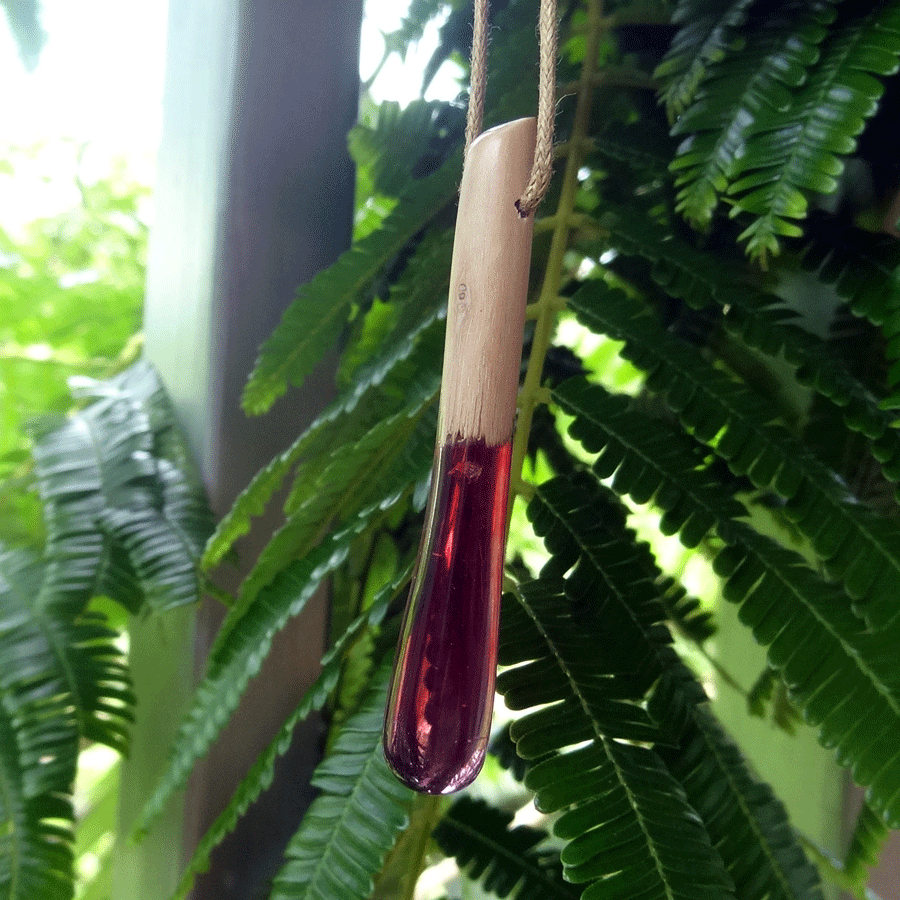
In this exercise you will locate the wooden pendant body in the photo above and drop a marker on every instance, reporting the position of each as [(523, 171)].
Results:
[(488, 288)]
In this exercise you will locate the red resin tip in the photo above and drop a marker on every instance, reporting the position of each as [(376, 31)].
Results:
[(439, 709)]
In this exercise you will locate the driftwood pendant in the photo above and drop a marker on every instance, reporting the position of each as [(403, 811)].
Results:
[(441, 699)]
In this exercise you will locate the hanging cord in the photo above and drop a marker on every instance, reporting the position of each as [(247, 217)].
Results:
[(542, 168), (475, 112)]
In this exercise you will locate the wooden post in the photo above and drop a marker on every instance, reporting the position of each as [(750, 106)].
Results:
[(254, 195)]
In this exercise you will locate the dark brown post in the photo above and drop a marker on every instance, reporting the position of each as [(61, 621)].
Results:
[(254, 196)]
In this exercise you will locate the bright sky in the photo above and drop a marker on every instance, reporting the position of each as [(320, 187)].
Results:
[(100, 81)]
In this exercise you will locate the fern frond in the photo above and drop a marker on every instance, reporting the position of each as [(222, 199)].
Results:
[(381, 388), (739, 90), (92, 676), (164, 561), (707, 33), (312, 323), (586, 651), (839, 672), (865, 271), (238, 654), (64, 677), (798, 152), (415, 299), (33, 686), (853, 543), (866, 844), (355, 820), (35, 849), (361, 467), (748, 824), (679, 268), (765, 323), (372, 474), (743, 821), (505, 861), (684, 611), (62, 680), (618, 801), (396, 144), (259, 776), (99, 459), (116, 510), (865, 277), (832, 664)]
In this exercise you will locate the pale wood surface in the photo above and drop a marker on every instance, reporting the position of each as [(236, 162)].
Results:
[(488, 288)]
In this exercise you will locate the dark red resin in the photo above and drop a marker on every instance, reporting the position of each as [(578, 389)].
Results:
[(439, 708)]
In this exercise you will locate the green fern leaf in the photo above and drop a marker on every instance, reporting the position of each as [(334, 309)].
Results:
[(865, 271), (866, 276), (113, 505), (797, 152), (64, 676), (35, 849), (807, 624), (749, 826), (238, 654), (866, 844), (707, 32), (504, 861), (853, 543), (833, 665), (380, 390), (618, 800), (92, 676), (61, 681), (744, 822), (394, 144), (586, 651), (372, 474), (357, 817), (681, 269), (388, 329), (259, 777), (738, 91), (164, 561), (359, 465), (764, 322), (685, 612), (97, 460), (33, 689), (316, 317)]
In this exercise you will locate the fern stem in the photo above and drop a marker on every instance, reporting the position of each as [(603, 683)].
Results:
[(406, 862), (832, 869), (547, 304)]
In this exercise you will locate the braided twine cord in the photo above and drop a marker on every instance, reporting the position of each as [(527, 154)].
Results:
[(542, 168)]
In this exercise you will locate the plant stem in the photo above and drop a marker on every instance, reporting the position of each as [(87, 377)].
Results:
[(547, 306), (832, 869)]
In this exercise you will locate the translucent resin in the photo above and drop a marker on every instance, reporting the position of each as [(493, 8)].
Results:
[(439, 708)]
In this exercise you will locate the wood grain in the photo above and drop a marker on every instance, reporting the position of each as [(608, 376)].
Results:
[(488, 288)]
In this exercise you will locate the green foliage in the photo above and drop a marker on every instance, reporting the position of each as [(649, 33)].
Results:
[(356, 818), (123, 521), (507, 861), (866, 843), (770, 109), (71, 288)]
